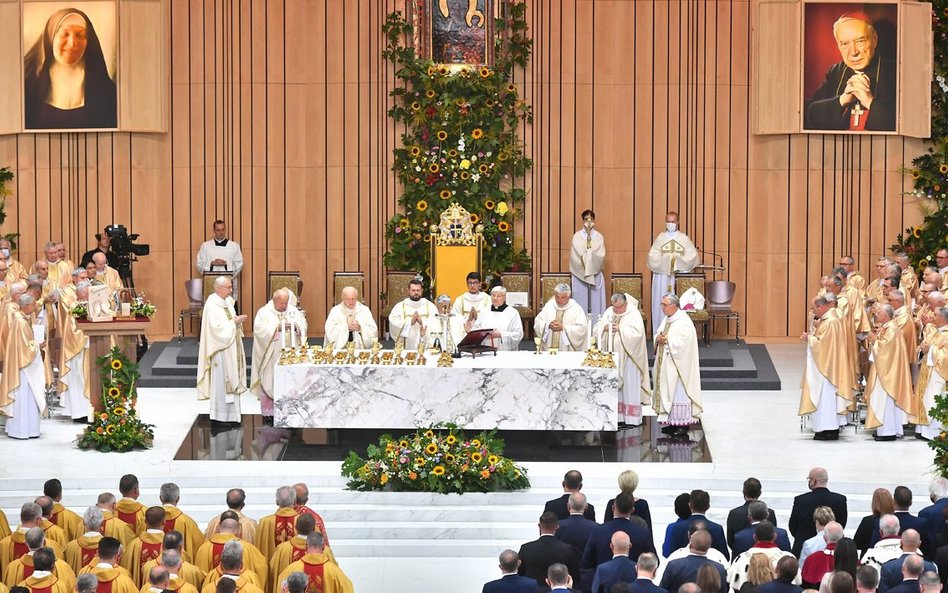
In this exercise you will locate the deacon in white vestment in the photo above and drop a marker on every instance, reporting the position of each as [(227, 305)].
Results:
[(221, 255), (587, 257), (671, 252), (23, 383), (677, 380), (473, 302), (562, 323), (503, 319), (932, 383), (409, 319), (622, 331), (446, 322), (222, 366), (273, 328), (350, 321)]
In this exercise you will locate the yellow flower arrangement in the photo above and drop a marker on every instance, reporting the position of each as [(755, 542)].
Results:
[(493, 459), (119, 411), (117, 364), (503, 226), (501, 208), (445, 194), (420, 461), (431, 70), (415, 106), (489, 204), (389, 447), (442, 135), (477, 133), (438, 470), (464, 164), (475, 443), (110, 429), (482, 168), (943, 168), (485, 72), (465, 175), (403, 444), (430, 93), (114, 392), (404, 223), (917, 233), (476, 457), (451, 439), (415, 151), (421, 205), (511, 88), (434, 167), (453, 153), (431, 449), (429, 433), (449, 457), (475, 219), (442, 70)]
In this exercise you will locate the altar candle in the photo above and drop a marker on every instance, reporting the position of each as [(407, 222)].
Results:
[(611, 336), (283, 332), (589, 328), (293, 333)]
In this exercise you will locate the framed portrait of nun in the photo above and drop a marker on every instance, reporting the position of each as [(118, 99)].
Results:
[(70, 57), (455, 32)]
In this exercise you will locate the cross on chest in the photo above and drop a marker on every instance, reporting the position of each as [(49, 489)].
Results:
[(857, 112)]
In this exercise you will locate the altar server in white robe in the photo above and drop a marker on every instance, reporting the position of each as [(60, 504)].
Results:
[(220, 255), (444, 322), (473, 302), (677, 380), (933, 374), (586, 260), (222, 366), (889, 384), (622, 331), (350, 321), (23, 383), (503, 319), (268, 336), (409, 319), (562, 322), (671, 252), (828, 386)]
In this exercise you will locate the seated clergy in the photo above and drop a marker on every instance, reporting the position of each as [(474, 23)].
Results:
[(562, 322), (503, 319), (473, 302), (350, 321), (408, 319)]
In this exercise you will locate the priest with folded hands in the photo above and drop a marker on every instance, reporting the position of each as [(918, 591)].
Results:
[(562, 322), (350, 321), (222, 367), (409, 319)]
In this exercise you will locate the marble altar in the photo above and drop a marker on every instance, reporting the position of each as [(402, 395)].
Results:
[(512, 391)]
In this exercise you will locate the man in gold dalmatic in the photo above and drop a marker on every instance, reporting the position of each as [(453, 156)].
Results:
[(829, 379), (933, 373), (889, 384)]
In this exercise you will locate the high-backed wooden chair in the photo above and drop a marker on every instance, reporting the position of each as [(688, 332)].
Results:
[(284, 279), (630, 283), (548, 282), (522, 282), (700, 317), (396, 289), (341, 280), (456, 245)]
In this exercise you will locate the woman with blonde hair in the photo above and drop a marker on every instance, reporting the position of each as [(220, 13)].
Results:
[(759, 571), (628, 482), (882, 504)]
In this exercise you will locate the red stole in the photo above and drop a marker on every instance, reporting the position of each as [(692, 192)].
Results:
[(20, 548), (47, 589), (297, 552), (149, 552), (316, 579), (129, 518), (105, 586), (284, 528), (87, 554), (216, 551), (28, 568), (170, 521), (320, 525)]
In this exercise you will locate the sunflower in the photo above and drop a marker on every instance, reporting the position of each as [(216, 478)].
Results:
[(415, 151), (119, 411), (438, 470), (459, 102), (404, 223), (917, 233), (503, 226), (445, 194), (442, 135), (389, 447), (489, 204), (452, 153), (451, 439), (431, 449), (915, 173), (476, 443), (420, 461), (449, 458), (116, 364), (110, 429), (943, 168), (511, 88), (429, 433), (483, 168), (485, 474), (475, 219), (114, 392), (477, 133), (415, 106), (489, 103), (434, 167), (430, 93), (442, 70), (476, 457), (421, 205), (431, 70), (465, 175), (485, 72), (493, 459), (403, 444), (426, 238)]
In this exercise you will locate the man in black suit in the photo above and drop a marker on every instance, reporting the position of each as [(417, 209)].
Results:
[(737, 517), (890, 575), (929, 582), (912, 568), (867, 580), (934, 514), (558, 578), (510, 581), (619, 569), (685, 570), (572, 482), (575, 531), (801, 524), (597, 549), (784, 573), (537, 556), (903, 501), (645, 573), (744, 539), (700, 503)]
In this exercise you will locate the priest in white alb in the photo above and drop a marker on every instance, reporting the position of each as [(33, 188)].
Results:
[(503, 319), (275, 326), (890, 401), (933, 374), (222, 366), (473, 302), (562, 323), (828, 386), (350, 321), (586, 260), (220, 255), (23, 382), (73, 365), (676, 378), (621, 330), (409, 319), (671, 253)]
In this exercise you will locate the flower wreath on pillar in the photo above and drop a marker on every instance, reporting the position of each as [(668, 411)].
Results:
[(461, 122)]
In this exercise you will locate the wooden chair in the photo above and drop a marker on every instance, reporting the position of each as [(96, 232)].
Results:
[(396, 289), (630, 283), (342, 280), (284, 279), (456, 246), (522, 282), (548, 282), (700, 317), (193, 288)]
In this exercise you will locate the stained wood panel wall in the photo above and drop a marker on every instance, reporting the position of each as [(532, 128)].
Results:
[(278, 126)]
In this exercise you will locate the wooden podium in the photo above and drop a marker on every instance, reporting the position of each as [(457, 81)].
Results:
[(103, 335)]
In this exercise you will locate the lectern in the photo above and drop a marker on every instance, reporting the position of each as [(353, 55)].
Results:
[(102, 337)]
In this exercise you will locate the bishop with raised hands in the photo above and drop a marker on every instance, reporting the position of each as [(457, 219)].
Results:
[(274, 328), (350, 321)]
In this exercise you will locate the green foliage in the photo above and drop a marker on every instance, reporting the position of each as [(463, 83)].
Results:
[(939, 444), (117, 427), (436, 459), (6, 176), (460, 145)]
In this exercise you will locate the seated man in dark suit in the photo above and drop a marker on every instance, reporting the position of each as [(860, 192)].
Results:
[(620, 568), (867, 580), (558, 578), (537, 556), (934, 514), (891, 573), (744, 539), (645, 575), (572, 482), (801, 525), (510, 581), (575, 531), (700, 503), (737, 518), (784, 574), (597, 549), (912, 568), (685, 570)]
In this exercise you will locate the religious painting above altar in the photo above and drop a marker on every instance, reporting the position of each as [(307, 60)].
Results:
[(455, 32)]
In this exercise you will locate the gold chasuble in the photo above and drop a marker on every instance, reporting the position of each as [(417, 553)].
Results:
[(208, 556), (903, 318), (175, 520), (828, 345), (937, 339), (176, 584), (891, 369), (22, 569), (856, 280), (874, 292), (81, 551), (286, 554), (324, 575), (113, 579), (46, 583), (67, 520), (186, 572), (275, 529), (143, 548), (4, 524), (54, 533), (246, 583)]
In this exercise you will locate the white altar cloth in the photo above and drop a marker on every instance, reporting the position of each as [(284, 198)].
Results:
[(512, 391)]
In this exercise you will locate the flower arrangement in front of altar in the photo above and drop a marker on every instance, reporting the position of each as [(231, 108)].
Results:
[(460, 144), (117, 427), (80, 310), (442, 460), (142, 307)]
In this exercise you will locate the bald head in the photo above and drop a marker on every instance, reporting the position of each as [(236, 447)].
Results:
[(99, 260), (818, 477), (229, 526), (281, 299), (700, 541), (350, 296), (833, 532), (620, 543), (911, 540)]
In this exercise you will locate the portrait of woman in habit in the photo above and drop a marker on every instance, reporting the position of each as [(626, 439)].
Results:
[(67, 82)]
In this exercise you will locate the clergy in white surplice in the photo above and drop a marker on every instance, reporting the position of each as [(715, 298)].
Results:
[(933, 374), (350, 321), (586, 260), (73, 364), (275, 326), (672, 252), (889, 384), (676, 378), (828, 386), (621, 330), (220, 254), (473, 302), (23, 382), (562, 323), (409, 319), (503, 319), (222, 366)]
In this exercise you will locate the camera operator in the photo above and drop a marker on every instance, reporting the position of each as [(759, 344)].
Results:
[(103, 246)]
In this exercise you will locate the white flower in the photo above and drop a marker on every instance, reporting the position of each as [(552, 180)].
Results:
[(476, 177), (488, 153), (417, 168)]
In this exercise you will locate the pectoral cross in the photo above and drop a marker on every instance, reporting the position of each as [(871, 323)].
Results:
[(855, 113)]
